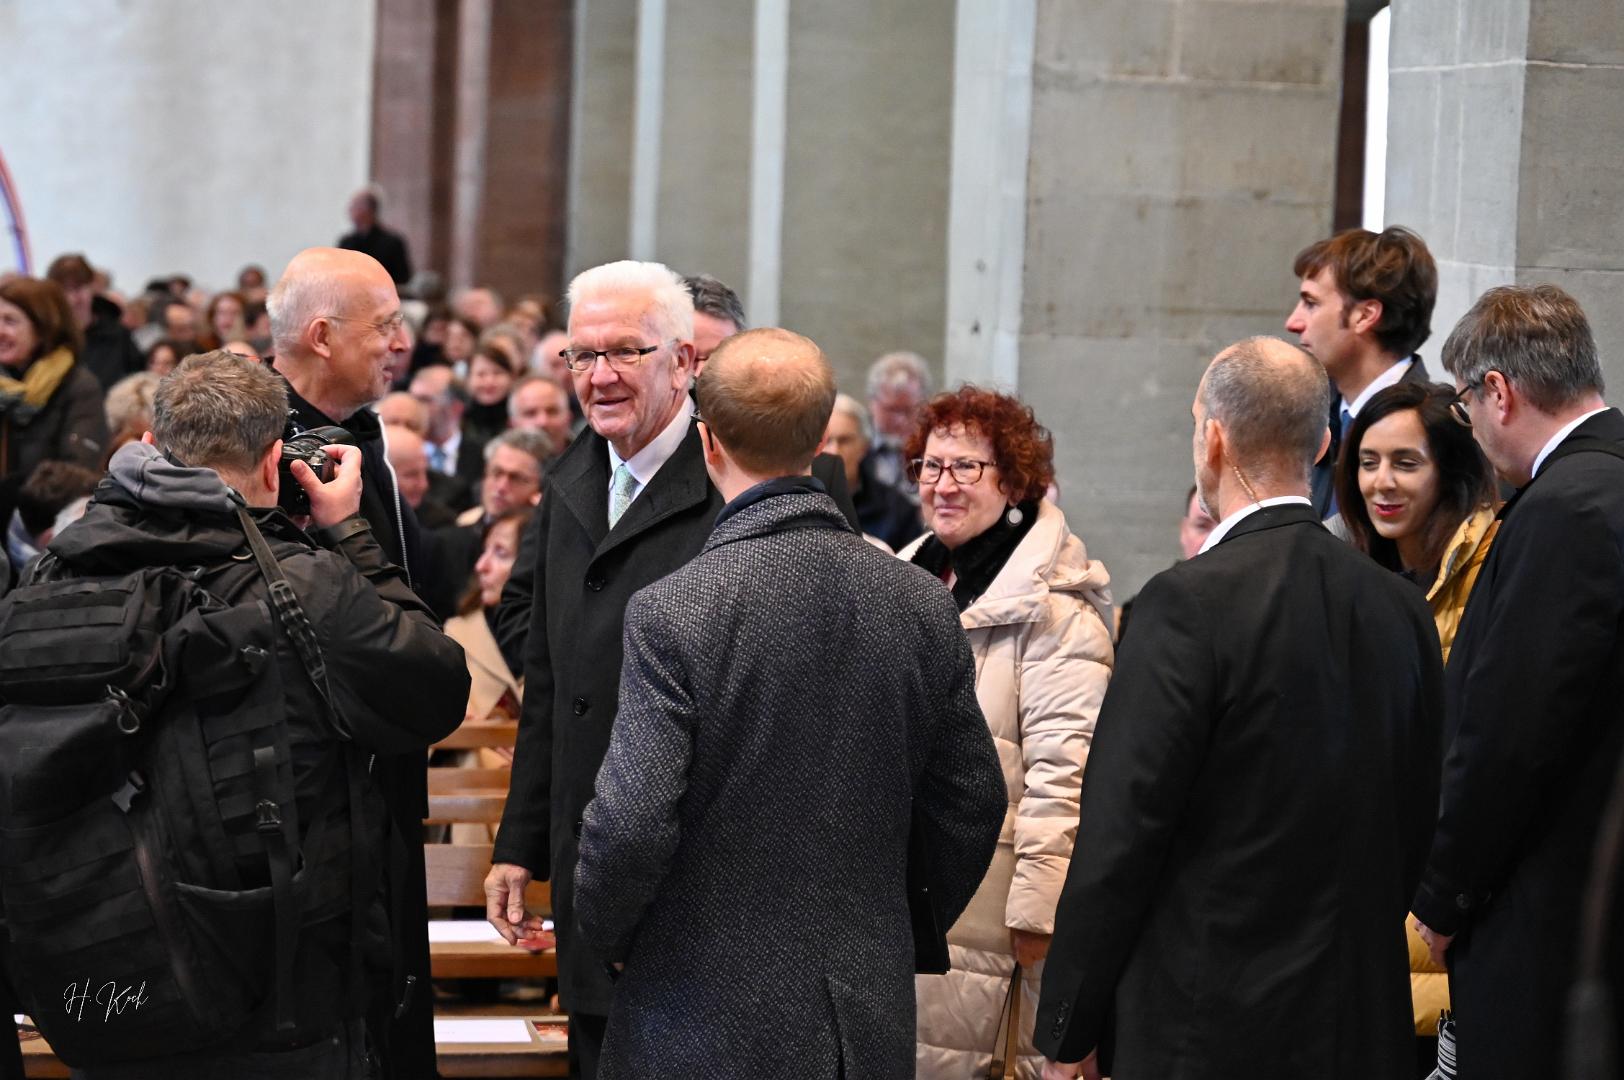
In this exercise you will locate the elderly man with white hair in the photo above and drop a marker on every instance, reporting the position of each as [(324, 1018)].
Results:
[(626, 504), (898, 384)]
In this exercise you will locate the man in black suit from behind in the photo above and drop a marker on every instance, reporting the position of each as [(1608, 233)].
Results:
[(1536, 683), (1262, 784), (1364, 306)]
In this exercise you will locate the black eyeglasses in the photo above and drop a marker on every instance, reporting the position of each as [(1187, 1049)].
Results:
[(1457, 404), (620, 358), (965, 471)]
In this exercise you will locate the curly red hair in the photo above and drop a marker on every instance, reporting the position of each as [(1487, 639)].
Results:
[(1022, 447)]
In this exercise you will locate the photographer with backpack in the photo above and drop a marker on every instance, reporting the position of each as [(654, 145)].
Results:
[(194, 688)]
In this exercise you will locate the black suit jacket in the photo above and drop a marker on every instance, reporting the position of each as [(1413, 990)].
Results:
[(1536, 721), (1260, 795), (1323, 480), (581, 574)]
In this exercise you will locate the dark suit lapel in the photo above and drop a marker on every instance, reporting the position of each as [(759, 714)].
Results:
[(580, 480), (681, 483)]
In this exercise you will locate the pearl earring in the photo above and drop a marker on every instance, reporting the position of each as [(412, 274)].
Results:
[(1015, 517)]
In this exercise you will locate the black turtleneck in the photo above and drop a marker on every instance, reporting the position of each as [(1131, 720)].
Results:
[(979, 559)]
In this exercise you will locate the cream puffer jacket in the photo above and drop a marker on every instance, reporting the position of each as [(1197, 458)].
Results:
[(1043, 657)]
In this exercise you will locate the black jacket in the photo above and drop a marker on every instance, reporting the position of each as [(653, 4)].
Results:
[(1323, 482), (754, 692), (1536, 728), (582, 574), (110, 353), (385, 245), (1259, 799), (399, 682)]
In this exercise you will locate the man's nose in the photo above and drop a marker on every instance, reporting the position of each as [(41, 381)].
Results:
[(1295, 323)]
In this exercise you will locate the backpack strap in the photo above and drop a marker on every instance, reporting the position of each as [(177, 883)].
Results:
[(268, 820)]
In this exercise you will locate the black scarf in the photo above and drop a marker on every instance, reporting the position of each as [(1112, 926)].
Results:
[(979, 559), (767, 489)]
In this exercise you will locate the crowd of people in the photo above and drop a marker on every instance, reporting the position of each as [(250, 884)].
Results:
[(835, 748)]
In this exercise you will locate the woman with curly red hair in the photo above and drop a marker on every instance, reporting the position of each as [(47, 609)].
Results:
[(1036, 609)]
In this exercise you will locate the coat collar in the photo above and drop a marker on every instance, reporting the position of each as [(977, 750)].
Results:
[(580, 480), (1273, 517), (781, 512)]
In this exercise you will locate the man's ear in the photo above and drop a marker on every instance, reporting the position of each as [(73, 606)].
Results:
[(1325, 445), (319, 335), (1498, 394), (270, 469), (1365, 316), (150, 439), (1214, 444), (714, 454), (685, 366)]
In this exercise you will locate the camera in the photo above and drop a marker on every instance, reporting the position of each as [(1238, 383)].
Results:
[(310, 448)]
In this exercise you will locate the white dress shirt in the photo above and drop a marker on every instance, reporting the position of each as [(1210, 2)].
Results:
[(1556, 440), (1221, 530), (1390, 377), (647, 461)]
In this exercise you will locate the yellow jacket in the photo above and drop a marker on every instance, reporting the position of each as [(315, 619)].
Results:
[(1457, 573)]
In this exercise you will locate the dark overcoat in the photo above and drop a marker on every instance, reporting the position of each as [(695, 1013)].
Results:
[(1258, 804), (1536, 722), (582, 575), (788, 698)]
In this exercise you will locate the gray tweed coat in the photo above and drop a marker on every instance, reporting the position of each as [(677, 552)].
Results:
[(786, 698)]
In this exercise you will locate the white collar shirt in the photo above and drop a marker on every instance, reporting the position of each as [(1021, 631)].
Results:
[(1556, 440), (648, 461), (1390, 377), (1222, 529)]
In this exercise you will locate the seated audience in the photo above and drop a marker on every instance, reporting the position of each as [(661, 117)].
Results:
[(480, 307), (52, 488), (403, 410), (224, 317), (109, 352), (163, 357), (514, 467), (180, 326), (495, 692), (1038, 613), (450, 455), (539, 403), (251, 284), (461, 339), (490, 378), (405, 450), (885, 513)]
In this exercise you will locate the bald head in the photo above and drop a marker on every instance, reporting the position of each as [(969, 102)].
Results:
[(320, 281), (410, 460), (1271, 398), (767, 395)]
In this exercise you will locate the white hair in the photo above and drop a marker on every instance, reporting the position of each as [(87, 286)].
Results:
[(898, 371), (845, 403), (299, 300), (671, 306)]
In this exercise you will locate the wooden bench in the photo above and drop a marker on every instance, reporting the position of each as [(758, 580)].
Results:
[(456, 878), (474, 734)]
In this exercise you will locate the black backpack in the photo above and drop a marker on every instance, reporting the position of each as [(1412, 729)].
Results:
[(152, 879)]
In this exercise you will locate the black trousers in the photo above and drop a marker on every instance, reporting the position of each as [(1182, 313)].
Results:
[(586, 1044)]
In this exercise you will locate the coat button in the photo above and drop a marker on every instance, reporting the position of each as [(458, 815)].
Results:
[(1463, 902), (595, 582), (580, 706)]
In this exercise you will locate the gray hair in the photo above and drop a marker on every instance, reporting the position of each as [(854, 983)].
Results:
[(220, 411), (845, 403), (1537, 337), (1273, 400), (529, 380), (297, 300), (713, 297), (671, 309), (129, 401), (898, 371), (534, 443)]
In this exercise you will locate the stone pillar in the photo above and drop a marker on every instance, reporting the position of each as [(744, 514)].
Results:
[(1504, 129), (1182, 151), (600, 157)]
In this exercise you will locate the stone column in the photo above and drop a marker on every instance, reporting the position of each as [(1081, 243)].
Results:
[(1182, 151), (1504, 143), (600, 157)]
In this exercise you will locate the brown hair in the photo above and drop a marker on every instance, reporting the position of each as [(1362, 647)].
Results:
[(1394, 267), (767, 395), (46, 306), (1022, 448), (469, 602), (72, 271)]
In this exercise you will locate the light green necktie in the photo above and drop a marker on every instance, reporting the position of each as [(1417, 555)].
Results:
[(621, 493)]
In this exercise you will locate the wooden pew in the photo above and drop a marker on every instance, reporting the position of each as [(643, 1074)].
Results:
[(473, 734), (456, 878)]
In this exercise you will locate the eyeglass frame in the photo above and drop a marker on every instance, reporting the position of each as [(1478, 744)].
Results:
[(916, 471), (1457, 404), (388, 327), (569, 356)]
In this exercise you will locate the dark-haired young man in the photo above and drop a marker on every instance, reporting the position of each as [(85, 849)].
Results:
[(1363, 308)]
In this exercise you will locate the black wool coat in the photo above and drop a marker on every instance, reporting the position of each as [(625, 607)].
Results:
[(1259, 800), (1536, 729), (579, 582), (788, 699)]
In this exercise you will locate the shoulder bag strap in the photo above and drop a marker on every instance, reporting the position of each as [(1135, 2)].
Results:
[(1006, 1047)]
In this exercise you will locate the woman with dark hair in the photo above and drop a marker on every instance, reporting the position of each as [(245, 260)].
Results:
[(226, 323), (50, 404), (1037, 611), (494, 692), (491, 372), (1418, 497)]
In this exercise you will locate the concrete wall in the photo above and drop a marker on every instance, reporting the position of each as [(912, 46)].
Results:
[(601, 133), (1181, 154), (1506, 151), (162, 137)]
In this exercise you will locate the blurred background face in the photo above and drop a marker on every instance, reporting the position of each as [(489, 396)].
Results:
[(180, 322), (17, 337), (411, 465), (895, 411), (80, 297), (459, 342), (1398, 477), (227, 318), (709, 332), (488, 381), (844, 437), (162, 359), (496, 561), (512, 481), (958, 512), (1194, 527), (539, 406)]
